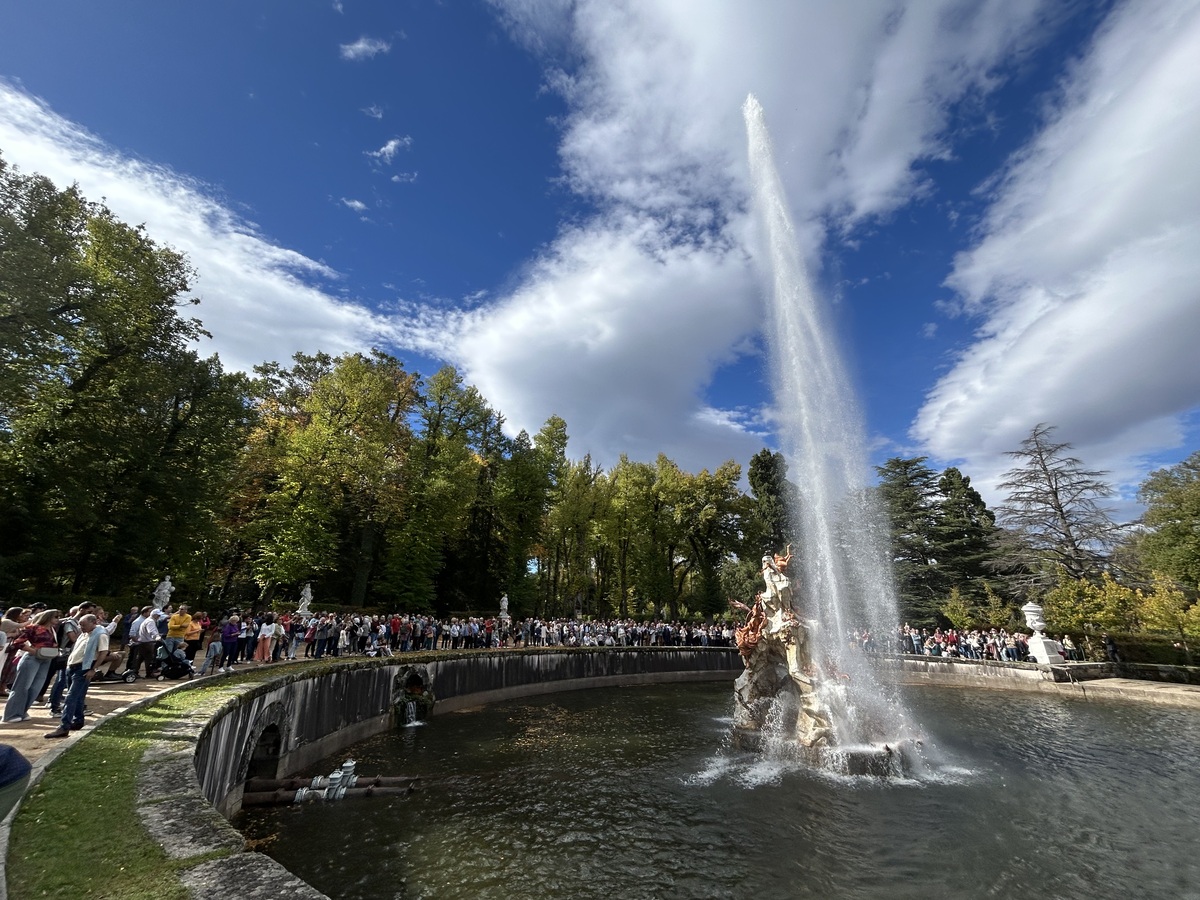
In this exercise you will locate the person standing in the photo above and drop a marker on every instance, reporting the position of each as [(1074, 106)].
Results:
[(148, 638), (40, 645), (81, 668), (229, 642), (177, 628), (194, 637), (128, 626), (266, 639), (322, 636), (68, 632), (1110, 649)]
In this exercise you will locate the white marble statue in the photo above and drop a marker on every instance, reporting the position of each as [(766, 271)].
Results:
[(504, 606), (777, 598), (1033, 618), (1042, 648), (305, 607), (162, 593)]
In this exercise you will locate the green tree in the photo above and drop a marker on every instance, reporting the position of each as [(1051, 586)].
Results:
[(909, 490), (964, 535), (569, 577), (522, 488), (115, 438), (450, 421), (1172, 544), (1167, 609), (956, 609), (1076, 604), (343, 471), (710, 510), (769, 523)]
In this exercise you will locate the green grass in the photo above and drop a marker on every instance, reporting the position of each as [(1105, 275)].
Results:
[(78, 833)]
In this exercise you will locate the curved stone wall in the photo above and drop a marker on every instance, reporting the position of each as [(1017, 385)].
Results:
[(307, 716)]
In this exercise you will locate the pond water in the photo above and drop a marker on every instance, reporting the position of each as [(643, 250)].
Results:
[(636, 793)]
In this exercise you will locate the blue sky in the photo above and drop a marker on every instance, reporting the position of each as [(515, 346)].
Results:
[(999, 198)]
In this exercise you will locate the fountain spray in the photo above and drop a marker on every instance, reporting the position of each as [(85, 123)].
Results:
[(842, 574)]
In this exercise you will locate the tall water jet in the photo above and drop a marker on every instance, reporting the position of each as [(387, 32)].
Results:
[(841, 579)]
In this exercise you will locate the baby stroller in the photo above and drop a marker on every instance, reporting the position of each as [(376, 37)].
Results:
[(173, 665)]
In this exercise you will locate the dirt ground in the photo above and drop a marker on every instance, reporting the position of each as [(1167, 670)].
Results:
[(29, 736)]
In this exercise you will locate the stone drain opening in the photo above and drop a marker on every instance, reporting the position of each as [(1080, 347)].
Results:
[(264, 761)]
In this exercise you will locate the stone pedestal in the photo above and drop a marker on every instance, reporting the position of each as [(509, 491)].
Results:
[(1044, 650)]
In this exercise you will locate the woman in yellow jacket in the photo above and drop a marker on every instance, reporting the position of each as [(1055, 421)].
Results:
[(177, 628)]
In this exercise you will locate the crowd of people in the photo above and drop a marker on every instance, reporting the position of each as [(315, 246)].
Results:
[(247, 637), (996, 644), (45, 651)]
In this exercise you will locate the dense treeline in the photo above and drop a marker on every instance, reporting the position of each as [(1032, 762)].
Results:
[(124, 455), (1052, 541)]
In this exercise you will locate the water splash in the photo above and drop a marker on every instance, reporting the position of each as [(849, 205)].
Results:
[(844, 572)]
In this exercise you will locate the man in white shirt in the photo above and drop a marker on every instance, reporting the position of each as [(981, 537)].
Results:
[(81, 666)]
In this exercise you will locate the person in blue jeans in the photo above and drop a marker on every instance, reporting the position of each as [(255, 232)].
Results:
[(81, 667)]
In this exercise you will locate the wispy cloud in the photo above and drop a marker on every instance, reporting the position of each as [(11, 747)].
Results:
[(404, 177), (364, 48), (388, 151), (1086, 270), (337, 6), (356, 205), (260, 300), (374, 111)]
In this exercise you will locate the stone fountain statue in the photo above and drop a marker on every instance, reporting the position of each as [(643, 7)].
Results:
[(778, 690), (305, 607), (162, 593), (1042, 648), (504, 606)]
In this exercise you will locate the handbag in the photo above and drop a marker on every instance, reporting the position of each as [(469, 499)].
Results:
[(46, 652)]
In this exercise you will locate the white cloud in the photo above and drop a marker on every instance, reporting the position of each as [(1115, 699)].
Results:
[(261, 301), (388, 151), (364, 48), (854, 94), (337, 6), (627, 319), (404, 177), (617, 333), (1087, 269), (375, 111), (356, 205)]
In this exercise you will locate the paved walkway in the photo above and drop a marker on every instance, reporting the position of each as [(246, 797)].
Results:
[(29, 736), (1159, 692)]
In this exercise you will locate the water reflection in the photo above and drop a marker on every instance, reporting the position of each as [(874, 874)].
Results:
[(635, 793)]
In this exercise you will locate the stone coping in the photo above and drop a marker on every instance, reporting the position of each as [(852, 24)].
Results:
[(180, 819)]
